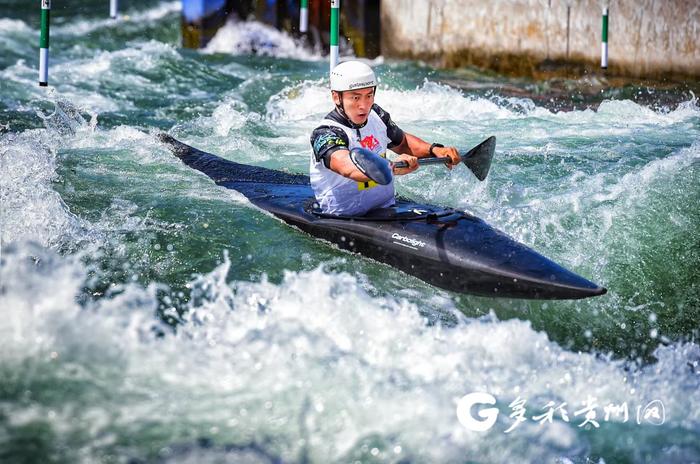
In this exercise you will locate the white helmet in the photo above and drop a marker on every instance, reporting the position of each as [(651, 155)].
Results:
[(352, 75)]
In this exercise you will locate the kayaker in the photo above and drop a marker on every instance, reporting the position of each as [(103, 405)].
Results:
[(340, 187)]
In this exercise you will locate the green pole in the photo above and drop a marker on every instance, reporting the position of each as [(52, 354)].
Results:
[(44, 43), (304, 16), (335, 31), (568, 29), (604, 46)]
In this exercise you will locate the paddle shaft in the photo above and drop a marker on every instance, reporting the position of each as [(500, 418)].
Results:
[(423, 162)]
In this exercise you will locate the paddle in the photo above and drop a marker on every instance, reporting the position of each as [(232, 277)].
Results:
[(478, 159), (372, 165)]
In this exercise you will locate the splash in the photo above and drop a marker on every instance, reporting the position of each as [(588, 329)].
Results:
[(128, 18), (31, 208), (298, 372), (252, 37)]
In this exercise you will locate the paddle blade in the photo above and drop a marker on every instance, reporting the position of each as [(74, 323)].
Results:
[(372, 165), (478, 159)]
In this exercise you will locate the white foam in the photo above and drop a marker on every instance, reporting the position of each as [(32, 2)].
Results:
[(74, 79), (433, 102), (625, 193), (436, 102), (259, 360), (8, 25), (31, 209), (429, 103), (229, 115), (142, 56), (306, 101), (79, 80), (253, 37), (612, 118), (126, 18)]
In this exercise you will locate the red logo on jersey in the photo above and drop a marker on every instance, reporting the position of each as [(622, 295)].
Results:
[(369, 142)]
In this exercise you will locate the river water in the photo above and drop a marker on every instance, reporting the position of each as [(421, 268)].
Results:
[(150, 316)]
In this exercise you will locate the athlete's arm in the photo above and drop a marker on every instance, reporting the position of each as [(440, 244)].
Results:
[(340, 163), (330, 145), (413, 146)]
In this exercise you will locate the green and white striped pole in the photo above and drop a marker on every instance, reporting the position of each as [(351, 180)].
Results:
[(335, 31), (304, 16), (44, 43), (604, 45), (113, 8)]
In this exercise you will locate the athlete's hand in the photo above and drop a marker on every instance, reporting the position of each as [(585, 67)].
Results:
[(448, 152), (412, 164)]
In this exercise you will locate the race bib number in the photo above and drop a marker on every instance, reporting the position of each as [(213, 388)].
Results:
[(366, 185)]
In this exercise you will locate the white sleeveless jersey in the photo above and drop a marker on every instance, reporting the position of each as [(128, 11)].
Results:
[(336, 194)]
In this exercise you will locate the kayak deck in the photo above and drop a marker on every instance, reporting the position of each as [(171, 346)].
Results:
[(444, 247)]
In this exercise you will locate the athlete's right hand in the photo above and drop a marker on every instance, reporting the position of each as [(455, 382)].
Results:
[(412, 164)]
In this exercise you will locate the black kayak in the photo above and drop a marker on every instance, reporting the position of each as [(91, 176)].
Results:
[(445, 247)]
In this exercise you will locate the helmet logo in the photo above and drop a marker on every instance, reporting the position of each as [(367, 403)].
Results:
[(359, 85)]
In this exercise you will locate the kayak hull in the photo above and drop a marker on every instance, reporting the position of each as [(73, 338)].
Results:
[(447, 248)]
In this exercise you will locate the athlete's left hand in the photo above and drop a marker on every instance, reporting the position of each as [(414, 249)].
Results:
[(412, 164), (448, 152)]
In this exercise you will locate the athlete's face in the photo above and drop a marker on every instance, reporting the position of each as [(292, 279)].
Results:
[(357, 103)]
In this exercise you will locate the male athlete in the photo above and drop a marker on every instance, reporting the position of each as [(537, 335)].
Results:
[(340, 187)]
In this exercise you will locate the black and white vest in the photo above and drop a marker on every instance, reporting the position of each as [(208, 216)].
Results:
[(336, 194)]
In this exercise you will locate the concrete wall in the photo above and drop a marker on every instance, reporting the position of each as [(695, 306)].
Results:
[(647, 38)]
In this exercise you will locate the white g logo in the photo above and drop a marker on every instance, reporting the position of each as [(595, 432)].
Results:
[(489, 415)]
